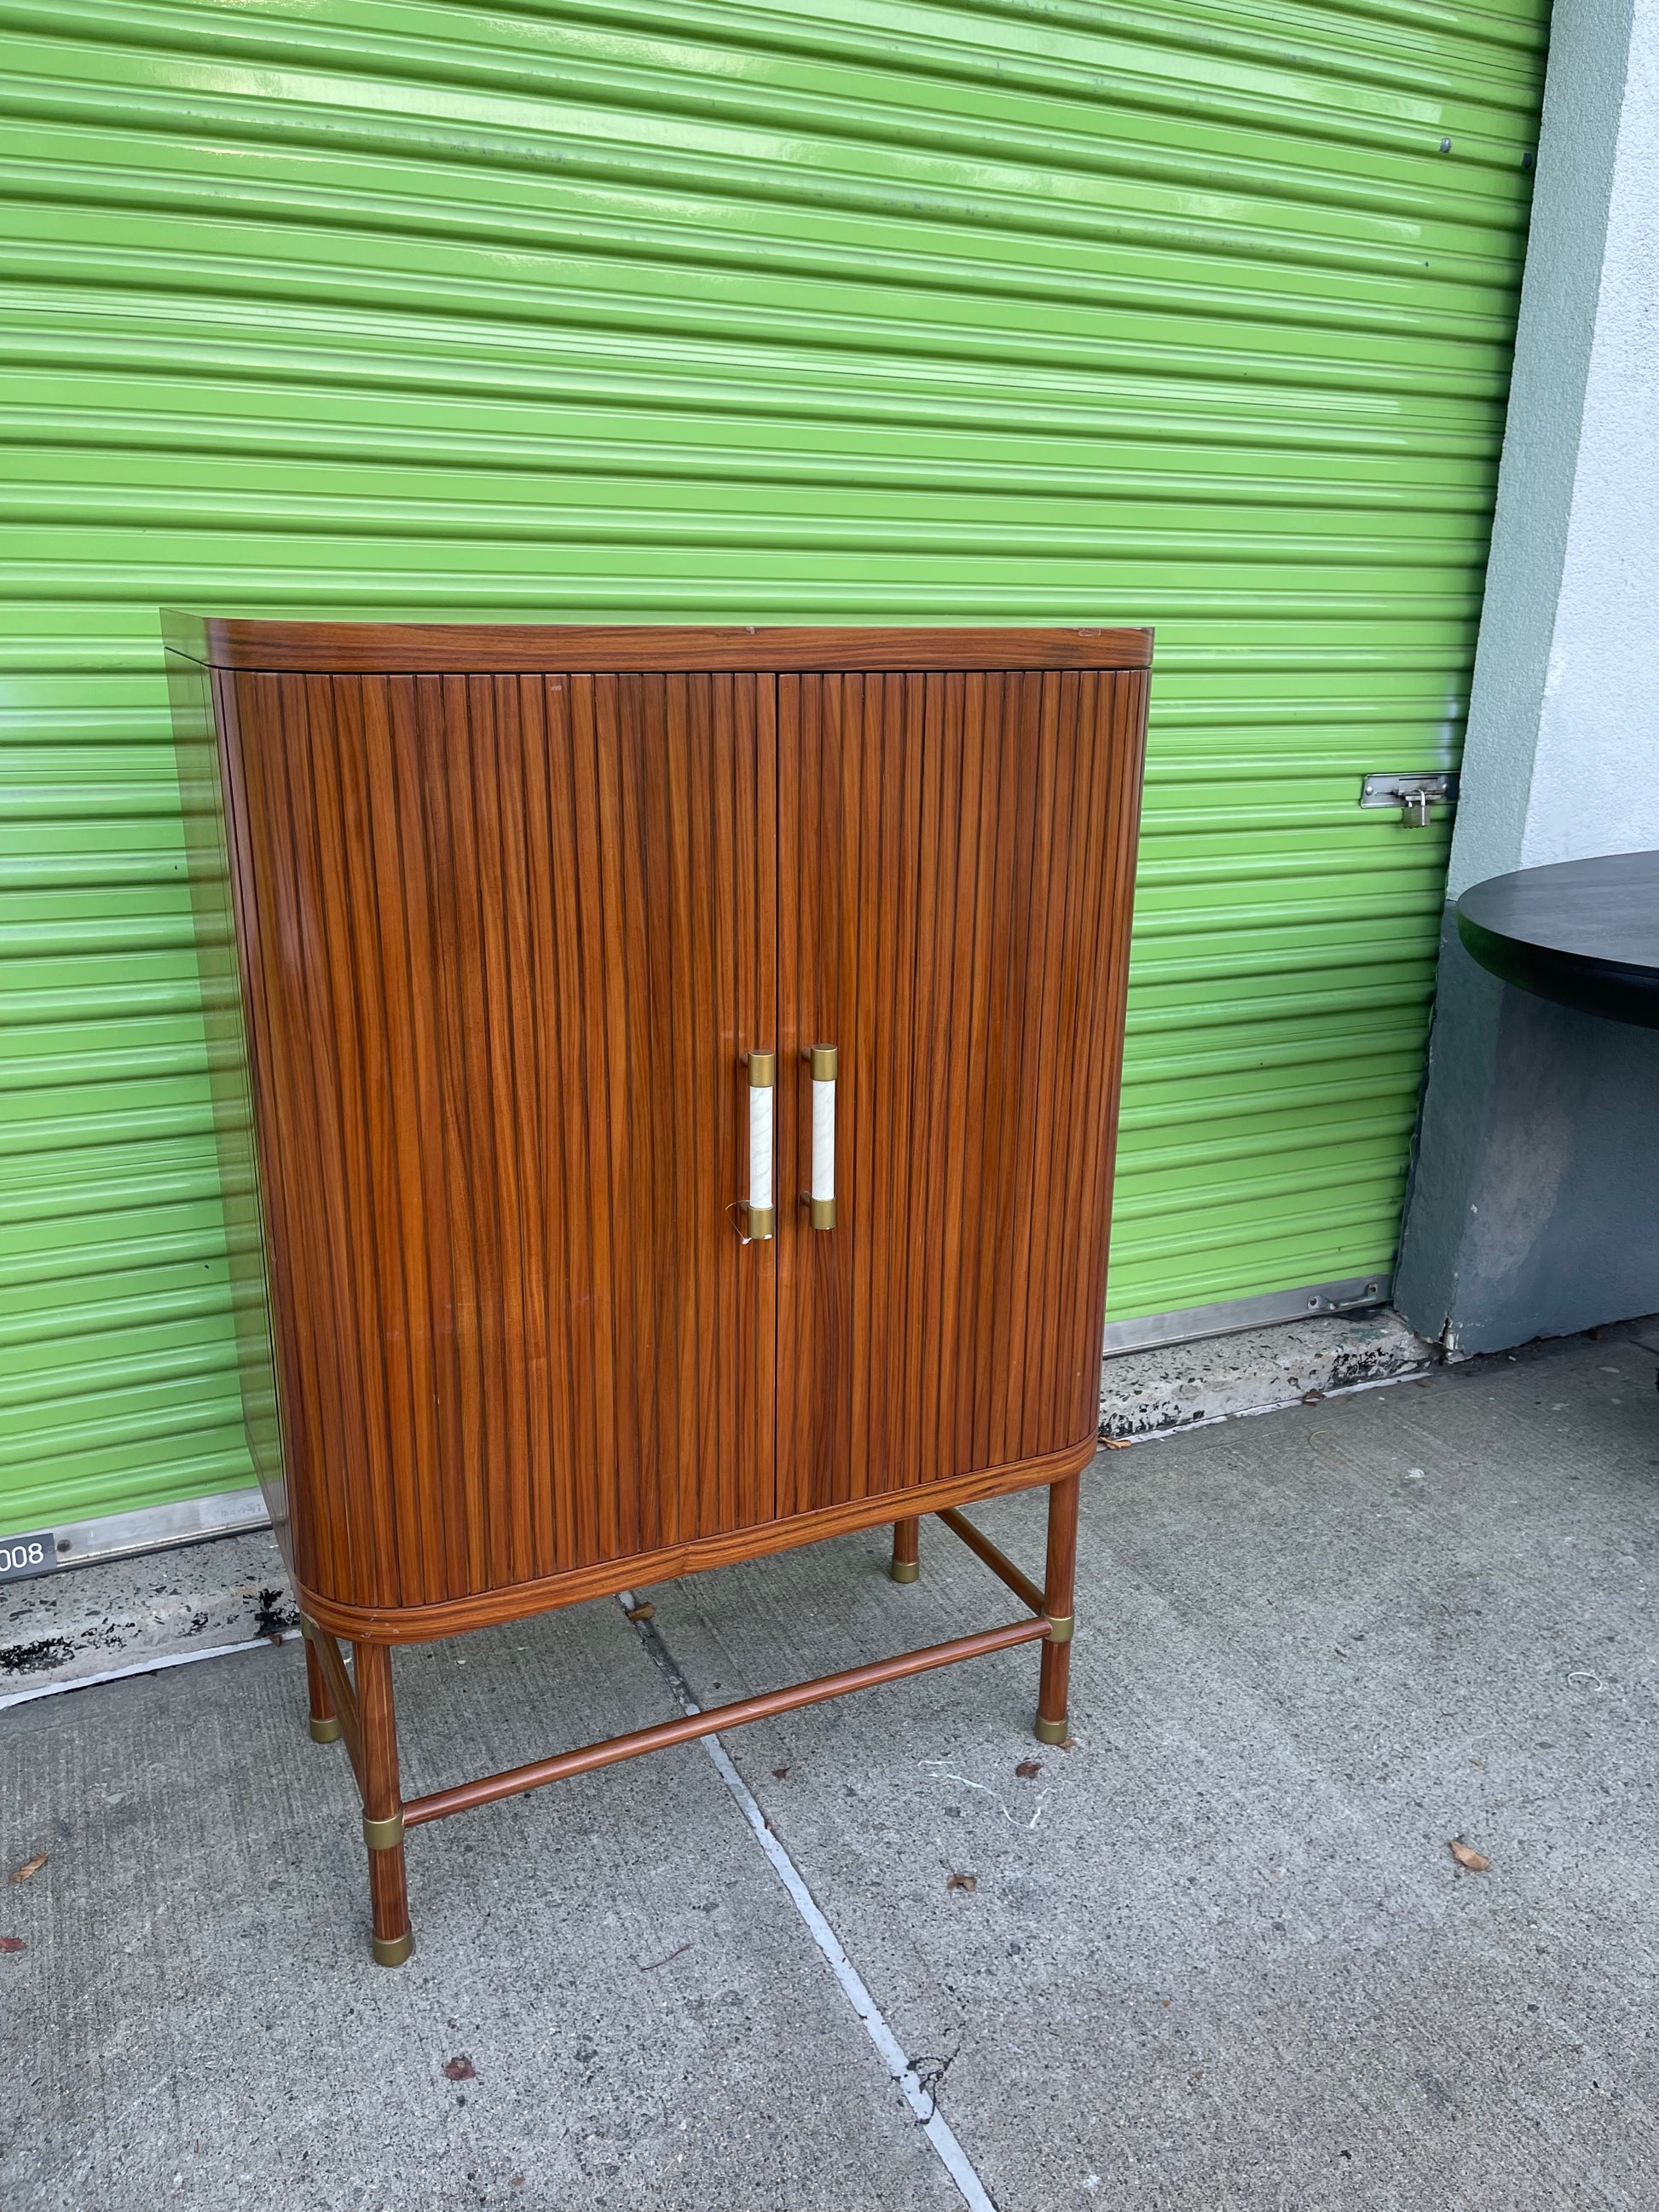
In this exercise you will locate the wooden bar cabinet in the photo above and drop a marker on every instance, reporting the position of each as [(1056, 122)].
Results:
[(683, 1069)]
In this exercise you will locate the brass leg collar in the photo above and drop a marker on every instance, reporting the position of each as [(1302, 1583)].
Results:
[(384, 1835), (1051, 1731), (328, 1731), (392, 1950), (905, 1571), (1060, 1627)]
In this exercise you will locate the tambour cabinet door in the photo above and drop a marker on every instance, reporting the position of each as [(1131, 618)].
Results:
[(957, 852), (505, 938)]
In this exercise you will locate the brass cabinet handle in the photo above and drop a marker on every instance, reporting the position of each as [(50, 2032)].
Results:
[(820, 1200), (760, 1214)]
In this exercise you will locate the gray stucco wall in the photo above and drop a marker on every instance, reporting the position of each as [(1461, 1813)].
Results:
[(1534, 1201)]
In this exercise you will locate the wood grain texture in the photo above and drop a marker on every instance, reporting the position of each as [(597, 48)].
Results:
[(382, 1795), (1059, 1602), (225, 982), (993, 1556), (961, 848), (322, 1651), (506, 939), (531, 648), (489, 1789), (503, 940), (420, 1624)]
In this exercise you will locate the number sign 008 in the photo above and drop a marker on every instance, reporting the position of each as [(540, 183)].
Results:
[(27, 1555)]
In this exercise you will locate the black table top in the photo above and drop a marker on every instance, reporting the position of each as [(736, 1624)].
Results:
[(1583, 933)]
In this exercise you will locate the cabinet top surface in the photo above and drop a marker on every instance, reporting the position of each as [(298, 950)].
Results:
[(346, 648)]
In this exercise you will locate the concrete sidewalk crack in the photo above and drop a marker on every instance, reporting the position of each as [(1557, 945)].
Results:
[(917, 2082)]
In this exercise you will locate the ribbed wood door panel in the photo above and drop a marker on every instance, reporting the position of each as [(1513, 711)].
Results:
[(1198, 316), (509, 936), (960, 847)]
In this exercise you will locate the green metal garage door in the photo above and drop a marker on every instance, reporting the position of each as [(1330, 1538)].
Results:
[(1198, 315)]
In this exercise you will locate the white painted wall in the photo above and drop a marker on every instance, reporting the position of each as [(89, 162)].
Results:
[(1533, 1207), (1562, 759)]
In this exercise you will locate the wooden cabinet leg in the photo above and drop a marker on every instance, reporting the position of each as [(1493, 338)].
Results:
[(907, 1551), (325, 1721), (1058, 1583), (383, 1807)]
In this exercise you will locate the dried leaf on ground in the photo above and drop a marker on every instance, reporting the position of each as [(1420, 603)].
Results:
[(11, 1942), (460, 2070), (1469, 1859), (778, 1772), (1028, 1769), (641, 1613), (1117, 1443), (29, 1866), (967, 1882)]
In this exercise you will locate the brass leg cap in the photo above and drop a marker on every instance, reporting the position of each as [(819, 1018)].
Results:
[(906, 1570), (328, 1731), (392, 1950), (1051, 1731)]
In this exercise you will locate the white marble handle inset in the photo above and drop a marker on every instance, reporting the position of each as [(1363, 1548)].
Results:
[(820, 1200), (762, 1077)]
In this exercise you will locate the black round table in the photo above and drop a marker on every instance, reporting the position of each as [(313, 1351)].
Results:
[(1583, 933)]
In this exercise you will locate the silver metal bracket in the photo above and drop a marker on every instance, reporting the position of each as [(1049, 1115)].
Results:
[(1415, 795)]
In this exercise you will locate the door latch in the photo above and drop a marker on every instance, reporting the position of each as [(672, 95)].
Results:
[(1416, 796)]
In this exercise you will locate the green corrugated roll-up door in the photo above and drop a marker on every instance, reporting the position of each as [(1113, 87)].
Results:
[(612, 309)]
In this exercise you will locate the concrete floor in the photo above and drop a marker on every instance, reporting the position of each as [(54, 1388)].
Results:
[(112, 1615), (1217, 1955)]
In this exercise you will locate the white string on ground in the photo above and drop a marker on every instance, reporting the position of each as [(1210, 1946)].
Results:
[(945, 1775), (916, 2094)]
